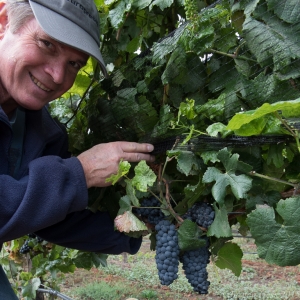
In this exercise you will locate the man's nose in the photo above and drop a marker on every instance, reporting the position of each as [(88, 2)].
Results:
[(57, 70)]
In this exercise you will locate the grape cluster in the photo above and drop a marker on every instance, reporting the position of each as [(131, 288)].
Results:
[(153, 215), (194, 263), (25, 248), (201, 213), (167, 252)]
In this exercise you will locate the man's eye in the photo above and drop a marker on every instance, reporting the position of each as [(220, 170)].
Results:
[(47, 43), (75, 65)]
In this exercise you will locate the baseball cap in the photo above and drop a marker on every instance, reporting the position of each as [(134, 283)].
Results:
[(71, 22)]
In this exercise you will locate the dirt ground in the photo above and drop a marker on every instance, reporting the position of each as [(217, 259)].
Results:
[(262, 273)]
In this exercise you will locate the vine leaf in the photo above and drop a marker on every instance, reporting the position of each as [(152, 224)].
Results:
[(188, 236), (188, 163), (128, 222), (130, 191), (124, 167), (230, 257), (286, 10), (30, 289), (220, 226), (125, 204), (287, 109), (144, 177), (240, 184), (187, 109), (277, 243), (117, 14), (162, 4), (217, 129), (263, 197)]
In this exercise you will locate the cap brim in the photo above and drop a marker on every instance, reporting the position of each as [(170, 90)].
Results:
[(67, 32)]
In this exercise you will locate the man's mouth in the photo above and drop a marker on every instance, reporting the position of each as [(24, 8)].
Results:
[(39, 84)]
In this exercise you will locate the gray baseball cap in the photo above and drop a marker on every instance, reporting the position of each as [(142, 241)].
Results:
[(71, 22)]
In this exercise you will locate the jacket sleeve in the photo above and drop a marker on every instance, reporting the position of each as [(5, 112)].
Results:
[(90, 231), (51, 201), (53, 188)]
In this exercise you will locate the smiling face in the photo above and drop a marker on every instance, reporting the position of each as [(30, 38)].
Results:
[(34, 68)]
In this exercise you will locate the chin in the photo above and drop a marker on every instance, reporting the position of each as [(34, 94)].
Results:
[(32, 106)]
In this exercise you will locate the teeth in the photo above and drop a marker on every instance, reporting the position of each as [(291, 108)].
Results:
[(39, 84)]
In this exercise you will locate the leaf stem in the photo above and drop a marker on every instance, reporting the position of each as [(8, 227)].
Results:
[(233, 56), (253, 173)]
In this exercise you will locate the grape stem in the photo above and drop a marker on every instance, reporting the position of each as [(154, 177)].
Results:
[(170, 209)]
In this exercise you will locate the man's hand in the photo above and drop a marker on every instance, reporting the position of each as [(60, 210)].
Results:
[(101, 161)]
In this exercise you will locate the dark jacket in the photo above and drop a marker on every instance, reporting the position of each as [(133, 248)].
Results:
[(49, 195)]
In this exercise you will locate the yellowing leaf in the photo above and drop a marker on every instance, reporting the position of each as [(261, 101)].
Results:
[(128, 222)]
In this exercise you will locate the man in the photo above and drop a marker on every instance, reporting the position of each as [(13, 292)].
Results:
[(43, 44)]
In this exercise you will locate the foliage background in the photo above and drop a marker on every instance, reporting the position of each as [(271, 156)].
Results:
[(191, 69)]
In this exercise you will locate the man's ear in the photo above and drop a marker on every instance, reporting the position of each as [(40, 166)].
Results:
[(3, 19)]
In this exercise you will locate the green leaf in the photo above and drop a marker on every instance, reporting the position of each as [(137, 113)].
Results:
[(275, 155), (144, 177), (212, 109), (162, 4), (271, 40), (208, 156), (131, 193), (287, 10), (188, 163), (124, 167), (125, 204), (117, 14), (240, 184), (188, 236), (84, 261), (230, 257), (287, 109), (166, 46), (216, 129), (220, 226), (99, 259), (277, 243), (29, 290), (175, 71), (26, 276), (165, 117), (193, 193), (140, 4), (264, 197), (186, 109)]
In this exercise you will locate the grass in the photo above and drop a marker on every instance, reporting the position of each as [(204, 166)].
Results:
[(102, 291), (137, 278)]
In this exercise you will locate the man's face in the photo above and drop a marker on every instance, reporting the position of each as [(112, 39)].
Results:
[(35, 69)]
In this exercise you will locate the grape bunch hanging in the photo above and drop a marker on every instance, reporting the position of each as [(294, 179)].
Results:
[(28, 244), (168, 255)]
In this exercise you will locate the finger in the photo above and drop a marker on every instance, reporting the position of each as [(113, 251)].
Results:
[(136, 157), (132, 147)]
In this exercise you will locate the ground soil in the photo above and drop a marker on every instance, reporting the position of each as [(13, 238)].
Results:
[(263, 273)]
